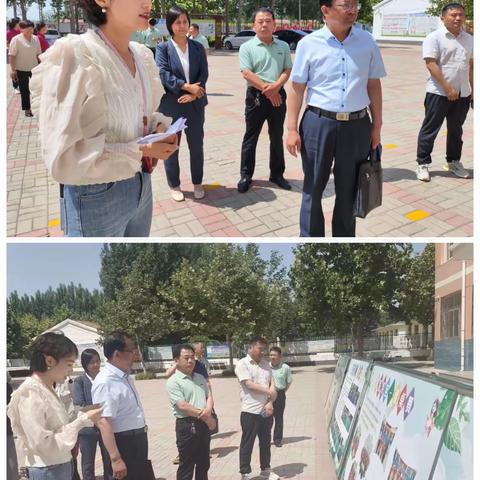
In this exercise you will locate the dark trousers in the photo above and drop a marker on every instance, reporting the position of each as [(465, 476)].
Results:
[(23, 85), (194, 133), (88, 449), (258, 109), (437, 109), (278, 409), (324, 140), (193, 443), (153, 50), (253, 426), (134, 452)]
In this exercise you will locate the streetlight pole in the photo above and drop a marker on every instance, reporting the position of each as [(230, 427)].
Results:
[(299, 11)]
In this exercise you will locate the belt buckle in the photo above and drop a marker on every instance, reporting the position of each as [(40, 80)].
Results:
[(343, 116)]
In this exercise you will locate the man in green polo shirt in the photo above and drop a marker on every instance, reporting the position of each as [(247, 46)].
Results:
[(192, 407), (152, 36), (265, 63), (282, 377), (195, 34)]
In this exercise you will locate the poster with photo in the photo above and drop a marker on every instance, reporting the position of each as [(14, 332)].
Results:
[(335, 386), (399, 428), (456, 454), (346, 409)]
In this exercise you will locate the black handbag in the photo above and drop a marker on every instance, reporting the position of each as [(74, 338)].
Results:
[(215, 430), (369, 184)]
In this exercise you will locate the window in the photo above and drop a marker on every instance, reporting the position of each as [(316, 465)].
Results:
[(450, 315)]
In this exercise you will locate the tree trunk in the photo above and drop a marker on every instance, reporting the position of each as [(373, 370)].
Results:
[(204, 6), (14, 5), (230, 351), (239, 17), (23, 8), (226, 17), (71, 15), (140, 351)]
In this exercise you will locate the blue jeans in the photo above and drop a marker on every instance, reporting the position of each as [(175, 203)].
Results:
[(52, 472), (88, 448), (115, 209)]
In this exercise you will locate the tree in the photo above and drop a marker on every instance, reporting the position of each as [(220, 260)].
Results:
[(346, 288), (417, 298), (223, 295)]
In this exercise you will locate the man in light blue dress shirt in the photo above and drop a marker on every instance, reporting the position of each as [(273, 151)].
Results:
[(340, 66), (122, 426)]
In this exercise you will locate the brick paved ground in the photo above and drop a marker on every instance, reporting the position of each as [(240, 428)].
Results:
[(304, 454), (446, 202)]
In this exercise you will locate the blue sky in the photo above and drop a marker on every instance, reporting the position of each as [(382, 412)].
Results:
[(32, 266)]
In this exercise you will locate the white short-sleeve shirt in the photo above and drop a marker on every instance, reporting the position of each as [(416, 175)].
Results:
[(261, 373), (25, 52), (453, 54)]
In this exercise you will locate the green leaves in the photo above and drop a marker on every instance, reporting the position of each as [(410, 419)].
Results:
[(444, 410), (453, 437)]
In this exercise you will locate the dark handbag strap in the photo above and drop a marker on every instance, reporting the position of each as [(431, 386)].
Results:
[(375, 154)]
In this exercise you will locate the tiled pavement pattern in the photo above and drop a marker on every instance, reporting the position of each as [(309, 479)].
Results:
[(442, 207), (304, 454)]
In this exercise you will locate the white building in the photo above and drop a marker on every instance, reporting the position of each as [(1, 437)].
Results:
[(83, 334), (403, 20)]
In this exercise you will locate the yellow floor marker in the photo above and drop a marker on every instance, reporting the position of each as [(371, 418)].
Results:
[(416, 215), (389, 146), (54, 223), (211, 186)]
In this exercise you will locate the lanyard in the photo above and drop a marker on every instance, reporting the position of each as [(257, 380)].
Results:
[(144, 93)]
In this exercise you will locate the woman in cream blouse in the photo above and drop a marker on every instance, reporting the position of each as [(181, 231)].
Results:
[(96, 94), (45, 432)]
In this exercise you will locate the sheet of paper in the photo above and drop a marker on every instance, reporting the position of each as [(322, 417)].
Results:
[(174, 128)]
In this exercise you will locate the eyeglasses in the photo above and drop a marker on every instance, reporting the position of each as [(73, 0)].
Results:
[(348, 6)]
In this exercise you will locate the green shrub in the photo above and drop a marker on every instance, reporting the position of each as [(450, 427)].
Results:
[(145, 376)]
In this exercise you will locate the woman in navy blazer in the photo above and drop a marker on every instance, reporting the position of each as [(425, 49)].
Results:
[(90, 436), (184, 73)]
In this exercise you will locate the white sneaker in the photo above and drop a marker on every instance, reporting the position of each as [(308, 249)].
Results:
[(456, 168), (247, 476), (422, 173), (177, 194), (267, 473), (198, 192)]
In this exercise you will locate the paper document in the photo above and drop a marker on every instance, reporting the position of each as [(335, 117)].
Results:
[(174, 128)]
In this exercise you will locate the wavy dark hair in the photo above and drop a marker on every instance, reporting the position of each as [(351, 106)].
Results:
[(55, 345), (93, 12)]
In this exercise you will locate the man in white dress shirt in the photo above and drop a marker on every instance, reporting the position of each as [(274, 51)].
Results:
[(257, 392), (122, 426), (448, 54)]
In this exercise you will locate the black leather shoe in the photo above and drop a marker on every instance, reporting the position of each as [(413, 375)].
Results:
[(28, 113), (244, 184), (281, 182), (278, 443)]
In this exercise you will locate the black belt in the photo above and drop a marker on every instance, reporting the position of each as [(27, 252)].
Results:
[(341, 116), (188, 419), (136, 431)]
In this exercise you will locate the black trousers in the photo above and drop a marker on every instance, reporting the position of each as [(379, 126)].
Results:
[(23, 85), (134, 452), (437, 109), (252, 426), (258, 109), (324, 140), (278, 409), (153, 50), (193, 443)]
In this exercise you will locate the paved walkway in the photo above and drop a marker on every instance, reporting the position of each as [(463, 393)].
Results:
[(304, 453), (410, 208)]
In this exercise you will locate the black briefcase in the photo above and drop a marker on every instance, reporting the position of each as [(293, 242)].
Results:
[(369, 184)]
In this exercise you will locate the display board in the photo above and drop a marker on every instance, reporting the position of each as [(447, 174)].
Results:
[(456, 454), (335, 386), (399, 428), (160, 353), (417, 24), (346, 409), (218, 351)]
